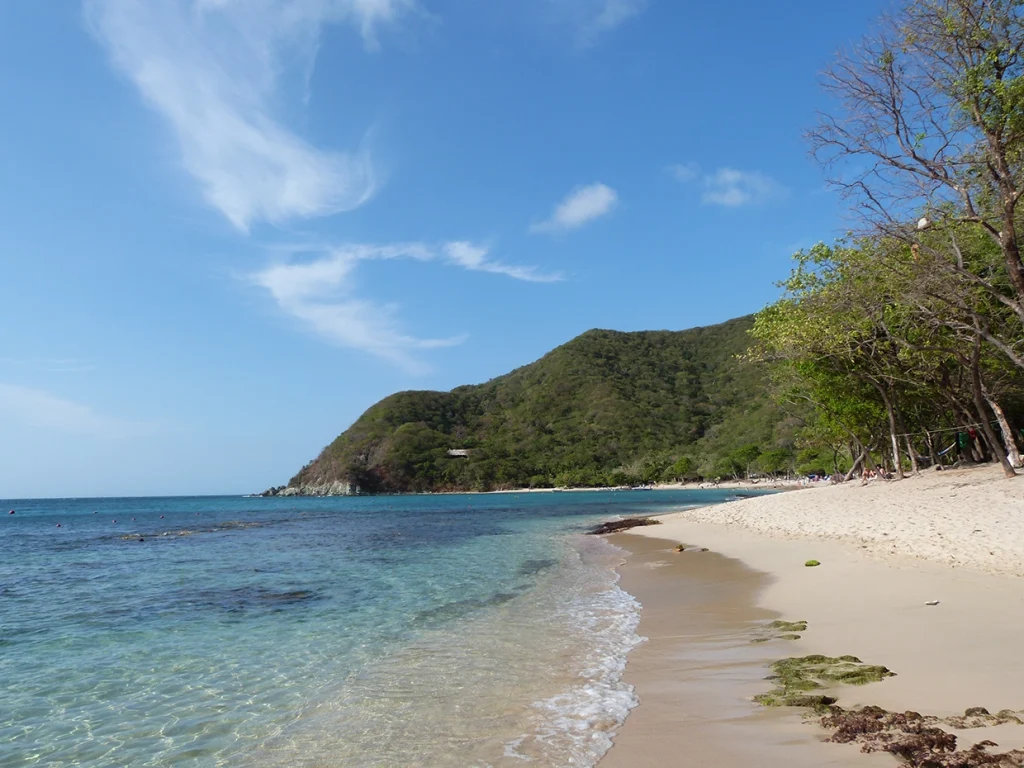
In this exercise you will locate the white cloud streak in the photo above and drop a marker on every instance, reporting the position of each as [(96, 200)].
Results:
[(613, 13), (593, 18), (732, 188), (212, 69), (319, 293), (684, 172), (41, 410), (474, 257), (729, 187), (581, 206)]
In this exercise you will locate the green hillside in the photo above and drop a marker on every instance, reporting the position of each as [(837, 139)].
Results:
[(607, 408)]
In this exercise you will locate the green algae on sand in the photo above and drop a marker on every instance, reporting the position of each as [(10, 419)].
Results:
[(780, 630), (795, 677)]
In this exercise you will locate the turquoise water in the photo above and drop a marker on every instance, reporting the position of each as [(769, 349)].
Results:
[(388, 631)]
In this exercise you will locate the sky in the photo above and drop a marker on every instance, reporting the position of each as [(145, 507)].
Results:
[(228, 227)]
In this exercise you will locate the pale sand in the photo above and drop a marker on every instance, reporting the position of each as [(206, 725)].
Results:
[(972, 518), (885, 550)]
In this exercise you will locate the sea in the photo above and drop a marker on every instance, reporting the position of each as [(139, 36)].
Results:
[(435, 630)]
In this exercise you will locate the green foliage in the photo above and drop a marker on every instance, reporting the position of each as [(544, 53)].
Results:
[(795, 677), (684, 468), (882, 338), (606, 409)]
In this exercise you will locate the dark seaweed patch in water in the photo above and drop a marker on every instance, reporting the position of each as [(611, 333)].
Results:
[(231, 525), (531, 567), (244, 599), (460, 608)]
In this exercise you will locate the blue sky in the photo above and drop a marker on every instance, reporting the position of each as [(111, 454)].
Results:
[(230, 226)]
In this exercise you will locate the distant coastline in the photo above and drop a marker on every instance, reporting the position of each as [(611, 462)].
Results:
[(339, 489)]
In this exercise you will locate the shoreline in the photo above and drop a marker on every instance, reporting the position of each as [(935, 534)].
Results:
[(867, 598), (698, 670), (728, 485)]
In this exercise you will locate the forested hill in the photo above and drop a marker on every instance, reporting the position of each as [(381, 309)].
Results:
[(607, 408)]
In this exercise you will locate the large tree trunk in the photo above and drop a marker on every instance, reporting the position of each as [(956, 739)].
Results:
[(931, 449), (853, 470), (896, 462), (906, 441), (979, 403), (913, 455), (1004, 426), (1008, 244)]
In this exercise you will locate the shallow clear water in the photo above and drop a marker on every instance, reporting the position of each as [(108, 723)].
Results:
[(386, 631)]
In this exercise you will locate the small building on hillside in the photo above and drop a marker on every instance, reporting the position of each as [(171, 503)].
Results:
[(459, 453)]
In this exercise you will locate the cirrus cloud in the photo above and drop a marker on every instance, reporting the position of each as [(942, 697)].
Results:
[(729, 187), (732, 188), (212, 70), (581, 206), (591, 19), (320, 294)]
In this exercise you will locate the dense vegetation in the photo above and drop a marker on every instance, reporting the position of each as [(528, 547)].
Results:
[(605, 409), (909, 338)]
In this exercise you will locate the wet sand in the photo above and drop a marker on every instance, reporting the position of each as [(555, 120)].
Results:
[(696, 675), (698, 670)]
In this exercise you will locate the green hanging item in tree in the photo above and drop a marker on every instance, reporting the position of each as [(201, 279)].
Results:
[(963, 440)]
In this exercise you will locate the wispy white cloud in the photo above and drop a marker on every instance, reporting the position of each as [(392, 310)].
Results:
[(730, 187), (593, 18), (212, 69), (582, 205), (612, 13), (320, 294), (41, 410), (733, 188), (684, 172), (474, 257)]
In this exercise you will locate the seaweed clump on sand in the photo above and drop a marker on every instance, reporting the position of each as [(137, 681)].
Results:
[(979, 717), (796, 678), (614, 526), (916, 738), (780, 630)]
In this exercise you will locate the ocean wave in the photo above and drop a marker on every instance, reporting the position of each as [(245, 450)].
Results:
[(576, 727)]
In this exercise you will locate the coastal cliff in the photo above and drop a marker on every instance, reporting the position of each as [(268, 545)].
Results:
[(332, 488), (606, 409)]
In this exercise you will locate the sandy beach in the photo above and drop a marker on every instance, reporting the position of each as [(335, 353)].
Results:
[(886, 550)]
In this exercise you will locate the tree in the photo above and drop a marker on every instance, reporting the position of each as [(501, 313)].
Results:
[(681, 469), (931, 118), (775, 460), (862, 334)]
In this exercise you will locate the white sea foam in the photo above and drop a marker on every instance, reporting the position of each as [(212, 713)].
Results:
[(579, 724)]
